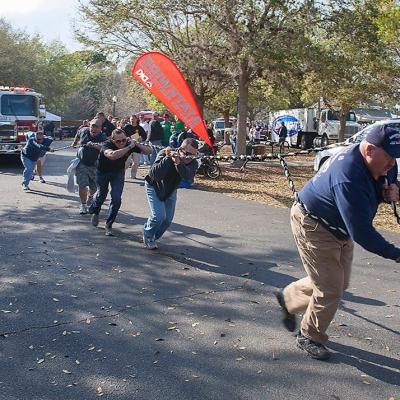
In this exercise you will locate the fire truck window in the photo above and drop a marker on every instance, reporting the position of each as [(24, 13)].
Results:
[(22, 105)]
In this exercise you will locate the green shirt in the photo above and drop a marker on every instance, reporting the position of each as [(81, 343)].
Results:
[(179, 126), (166, 126)]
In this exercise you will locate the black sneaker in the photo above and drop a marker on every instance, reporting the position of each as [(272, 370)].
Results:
[(289, 320), (314, 349)]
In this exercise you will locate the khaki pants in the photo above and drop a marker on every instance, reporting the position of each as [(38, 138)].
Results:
[(327, 261)]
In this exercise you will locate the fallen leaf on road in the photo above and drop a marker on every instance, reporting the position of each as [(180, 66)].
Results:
[(66, 371), (55, 299), (40, 361)]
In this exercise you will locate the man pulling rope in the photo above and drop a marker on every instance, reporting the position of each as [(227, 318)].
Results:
[(333, 210)]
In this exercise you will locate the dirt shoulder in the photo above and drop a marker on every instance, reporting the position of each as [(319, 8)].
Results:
[(265, 183)]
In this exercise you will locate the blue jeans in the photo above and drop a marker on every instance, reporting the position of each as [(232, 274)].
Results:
[(153, 155), (233, 145), (29, 166), (162, 213), (116, 181), (144, 158)]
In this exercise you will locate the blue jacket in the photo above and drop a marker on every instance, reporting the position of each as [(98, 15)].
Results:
[(346, 195), (34, 150), (165, 176)]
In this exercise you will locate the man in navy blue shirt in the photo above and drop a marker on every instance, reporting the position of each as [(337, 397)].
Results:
[(90, 141), (36, 146), (335, 209)]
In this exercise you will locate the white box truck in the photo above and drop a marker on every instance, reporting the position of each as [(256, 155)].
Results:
[(306, 124)]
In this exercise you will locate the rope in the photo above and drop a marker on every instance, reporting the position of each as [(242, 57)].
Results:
[(261, 157), (62, 148)]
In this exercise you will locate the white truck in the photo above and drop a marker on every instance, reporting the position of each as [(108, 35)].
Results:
[(306, 124)]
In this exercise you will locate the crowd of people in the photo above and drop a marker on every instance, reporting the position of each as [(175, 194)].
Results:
[(106, 148), (334, 209)]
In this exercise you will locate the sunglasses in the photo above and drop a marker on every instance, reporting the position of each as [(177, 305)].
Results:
[(120, 141), (187, 153)]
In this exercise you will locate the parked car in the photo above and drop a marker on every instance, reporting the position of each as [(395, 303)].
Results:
[(220, 129), (323, 155)]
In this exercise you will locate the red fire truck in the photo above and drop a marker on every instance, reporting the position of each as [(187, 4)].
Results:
[(21, 110)]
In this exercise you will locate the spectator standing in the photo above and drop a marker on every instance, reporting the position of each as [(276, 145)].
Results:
[(282, 133), (145, 160), (165, 175), (106, 126), (178, 126), (334, 209), (166, 126), (144, 123), (155, 135), (91, 140), (233, 136), (35, 147), (135, 132), (111, 173), (49, 129)]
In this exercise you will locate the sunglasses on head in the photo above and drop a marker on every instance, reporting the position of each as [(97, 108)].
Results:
[(120, 140)]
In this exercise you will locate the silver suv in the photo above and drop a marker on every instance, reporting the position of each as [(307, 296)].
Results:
[(323, 155)]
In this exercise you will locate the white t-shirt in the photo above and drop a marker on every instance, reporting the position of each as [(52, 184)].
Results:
[(146, 126)]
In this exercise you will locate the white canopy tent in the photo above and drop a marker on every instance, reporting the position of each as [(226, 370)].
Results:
[(52, 117)]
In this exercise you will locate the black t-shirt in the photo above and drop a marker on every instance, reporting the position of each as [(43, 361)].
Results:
[(107, 127), (107, 165), (156, 130), (131, 130)]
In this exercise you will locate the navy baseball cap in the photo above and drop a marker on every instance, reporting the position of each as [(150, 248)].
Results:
[(386, 138)]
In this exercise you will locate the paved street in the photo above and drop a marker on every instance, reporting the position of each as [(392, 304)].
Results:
[(85, 316)]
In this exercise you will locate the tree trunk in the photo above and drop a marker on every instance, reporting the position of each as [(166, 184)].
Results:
[(252, 114), (344, 110), (242, 110), (226, 115)]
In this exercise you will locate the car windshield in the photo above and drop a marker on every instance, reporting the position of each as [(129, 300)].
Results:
[(219, 125), (19, 105), (362, 135), (334, 116)]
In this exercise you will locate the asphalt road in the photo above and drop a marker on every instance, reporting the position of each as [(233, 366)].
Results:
[(86, 316)]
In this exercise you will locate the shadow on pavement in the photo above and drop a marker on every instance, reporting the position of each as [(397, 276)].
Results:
[(372, 364)]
